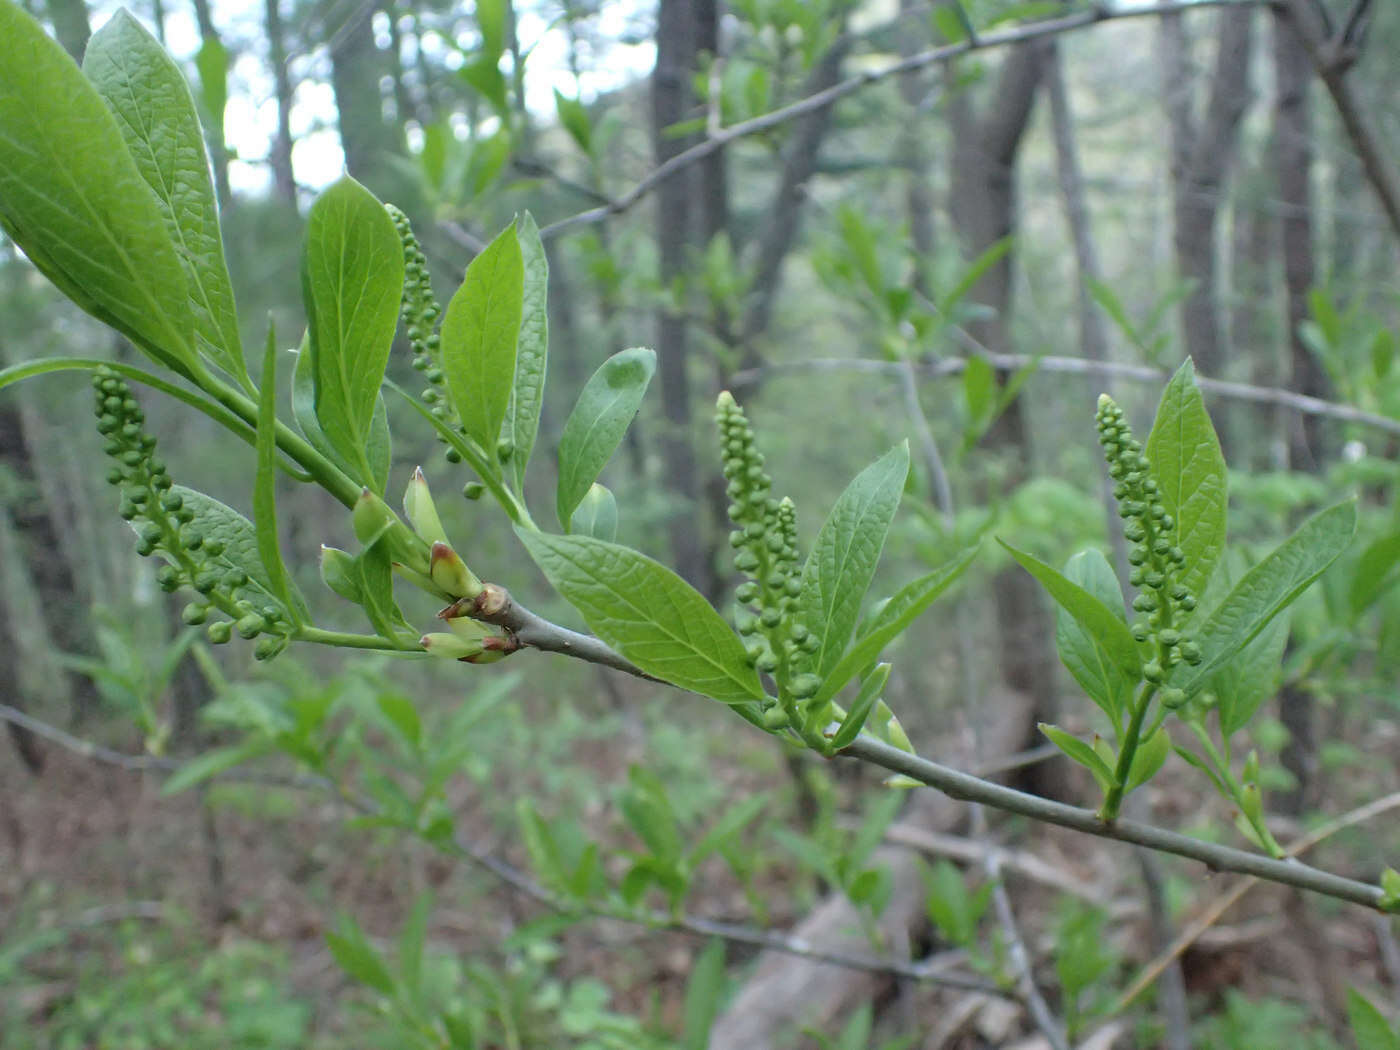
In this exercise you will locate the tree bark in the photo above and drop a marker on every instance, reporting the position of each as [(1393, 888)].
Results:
[(70, 26), (214, 131), (357, 64), (672, 101), (1201, 153), (284, 181), (983, 209)]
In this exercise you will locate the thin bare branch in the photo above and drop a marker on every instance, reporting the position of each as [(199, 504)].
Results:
[(1219, 858), (1018, 35), (950, 366)]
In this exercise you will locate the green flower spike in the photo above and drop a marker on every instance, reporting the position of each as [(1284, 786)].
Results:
[(165, 526), (1162, 602), (421, 312), (765, 551)]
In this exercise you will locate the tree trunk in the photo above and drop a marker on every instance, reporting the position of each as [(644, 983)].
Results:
[(70, 25), (982, 205), (357, 64), (1201, 154), (284, 181), (672, 101), (214, 131), (1292, 143)]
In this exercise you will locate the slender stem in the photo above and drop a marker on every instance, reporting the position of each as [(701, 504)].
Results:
[(347, 640), (969, 788), (1114, 798)]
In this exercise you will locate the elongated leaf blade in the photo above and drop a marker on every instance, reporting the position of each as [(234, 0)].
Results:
[(1267, 589), (1080, 752), (1102, 624), (72, 198), (155, 113), (648, 614), (897, 614), (480, 332), (1150, 757), (352, 281), (1103, 680), (596, 515), (522, 422), (1251, 677), (604, 410), (265, 481), (1374, 572), (1190, 472), (842, 563)]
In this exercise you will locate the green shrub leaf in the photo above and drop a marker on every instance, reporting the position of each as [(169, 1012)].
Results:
[(155, 113), (1249, 679), (647, 613), (839, 570), (1368, 1025), (1190, 472), (480, 332), (1087, 660), (352, 281), (1080, 752), (522, 421), (1267, 589), (265, 481), (1102, 624), (594, 429), (72, 198), (890, 621), (596, 515)]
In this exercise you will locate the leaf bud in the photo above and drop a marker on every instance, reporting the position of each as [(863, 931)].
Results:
[(450, 573), (421, 511)]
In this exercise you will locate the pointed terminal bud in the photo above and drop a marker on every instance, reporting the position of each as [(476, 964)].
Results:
[(450, 646), (339, 572), (450, 573), (421, 512), (371, 518)]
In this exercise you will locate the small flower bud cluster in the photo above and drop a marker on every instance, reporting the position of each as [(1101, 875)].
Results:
[(1162, 599), (421, 312), (765, 544), (165, 525)]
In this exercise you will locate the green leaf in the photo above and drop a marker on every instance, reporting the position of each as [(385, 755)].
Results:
[(376, 586), (1266, 590), (854, 722), (411, 938), (648, 614), (1250, 678), (1368, 1025), (265, 480), (218, 521), (358, 958), (847, 549), (1087, 660), (1373, 574), (702, 996), (522, 422), (1080, 752), (596, 515), (352, 281), (1102, 624), (211, 62), (480, 332), (146, 93), (72, 198), (594, 429), (403, 716), (1148, 759), (890, 621), (211, 764), (1190, 473), (573, 116)]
